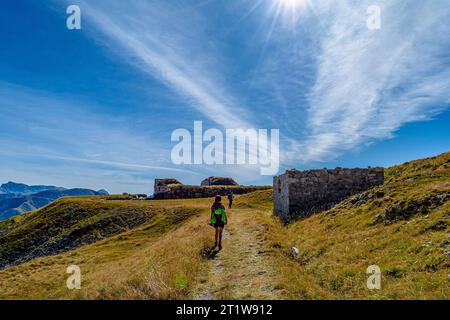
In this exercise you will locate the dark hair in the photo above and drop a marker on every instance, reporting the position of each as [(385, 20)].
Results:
[(218, 199)]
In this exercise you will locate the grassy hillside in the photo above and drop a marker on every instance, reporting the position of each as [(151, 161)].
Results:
[(160, 249), (72, 222), (158, 259), (402, 226)]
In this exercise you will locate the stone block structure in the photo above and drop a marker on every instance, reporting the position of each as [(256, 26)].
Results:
[(173, 189), (162, 185), (300, 194), (219, 181)]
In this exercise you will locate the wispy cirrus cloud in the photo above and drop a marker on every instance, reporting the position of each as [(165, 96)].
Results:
[(48, 137), (327, 82), (367, 85), (168, 42), (370, 83)]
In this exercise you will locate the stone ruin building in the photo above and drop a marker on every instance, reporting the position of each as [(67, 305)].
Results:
[(299, 194), (219, 181), (162, 185), (210, 187)]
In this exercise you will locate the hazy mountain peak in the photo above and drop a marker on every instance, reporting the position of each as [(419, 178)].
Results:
[(17, 198), (22, 188)]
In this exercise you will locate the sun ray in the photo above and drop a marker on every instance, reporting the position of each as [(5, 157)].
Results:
[(255, 6), (278, 12), (287, 12)]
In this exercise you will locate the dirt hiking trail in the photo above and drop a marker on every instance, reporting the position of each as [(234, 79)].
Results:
[(241, 270)]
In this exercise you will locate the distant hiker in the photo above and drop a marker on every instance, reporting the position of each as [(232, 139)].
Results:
[(230, 199), (218, 220)]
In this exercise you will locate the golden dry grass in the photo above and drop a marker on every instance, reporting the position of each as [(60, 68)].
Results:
[(162, 259), (337, 246), (158, 260)]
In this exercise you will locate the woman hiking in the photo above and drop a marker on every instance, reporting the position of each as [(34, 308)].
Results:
[(230, 199), (218, 220)]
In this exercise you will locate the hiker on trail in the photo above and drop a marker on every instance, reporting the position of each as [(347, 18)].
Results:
[(230, 199), (218, 220)]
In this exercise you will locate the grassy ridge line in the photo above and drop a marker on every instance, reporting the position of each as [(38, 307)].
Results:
[(72, 222), (158, 260)]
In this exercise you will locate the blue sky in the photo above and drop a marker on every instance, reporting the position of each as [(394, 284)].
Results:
[(96, 107)]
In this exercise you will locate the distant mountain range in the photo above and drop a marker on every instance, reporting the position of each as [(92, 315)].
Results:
[(20, 188), (18, 198)]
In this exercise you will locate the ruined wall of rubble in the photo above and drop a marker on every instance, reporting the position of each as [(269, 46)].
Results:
[(301, 193)]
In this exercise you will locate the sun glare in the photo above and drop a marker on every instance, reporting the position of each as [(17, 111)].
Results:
[(288, 10), (292, 4), (284, 13)]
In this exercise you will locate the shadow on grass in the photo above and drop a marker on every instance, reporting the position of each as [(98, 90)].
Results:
[(209, 253)]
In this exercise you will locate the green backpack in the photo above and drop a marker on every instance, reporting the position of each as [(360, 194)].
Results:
[(221, 212)]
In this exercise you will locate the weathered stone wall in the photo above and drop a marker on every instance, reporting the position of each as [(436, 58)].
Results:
[(301, 193), (173, 189), (281, 194), (181, 191), (161, 185), (219, 181)]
